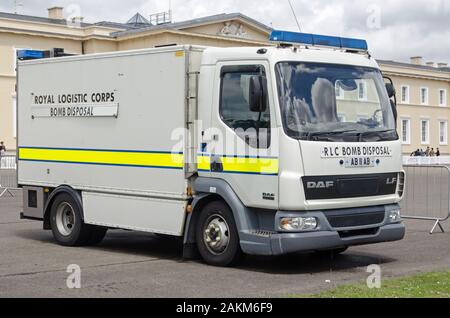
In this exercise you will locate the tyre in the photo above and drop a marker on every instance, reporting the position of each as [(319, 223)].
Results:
[(217, 236), (97, 235), (67, 223)]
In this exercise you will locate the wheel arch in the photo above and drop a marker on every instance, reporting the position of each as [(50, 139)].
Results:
[(60, 190), (208, 190)]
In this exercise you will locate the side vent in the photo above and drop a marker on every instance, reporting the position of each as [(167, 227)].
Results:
[(32, 199)]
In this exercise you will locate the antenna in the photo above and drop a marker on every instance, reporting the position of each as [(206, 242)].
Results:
[(295, 16), (17, 4)]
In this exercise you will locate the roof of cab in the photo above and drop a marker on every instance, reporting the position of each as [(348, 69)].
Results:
[(276, 54)]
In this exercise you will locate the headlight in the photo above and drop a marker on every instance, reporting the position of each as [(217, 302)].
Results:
[(394, 216), (298, 224)]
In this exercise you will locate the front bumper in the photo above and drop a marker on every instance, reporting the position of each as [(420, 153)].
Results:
[(316, 241), (326, 237)]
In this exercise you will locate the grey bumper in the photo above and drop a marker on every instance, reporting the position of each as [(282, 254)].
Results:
[(290, 243), (326, 237)]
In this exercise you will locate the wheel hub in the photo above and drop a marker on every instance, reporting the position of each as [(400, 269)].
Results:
[(216, 235), (65, 219)]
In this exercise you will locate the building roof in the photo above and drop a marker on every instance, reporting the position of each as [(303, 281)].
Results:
[(138, 21), (29, 18), (194, 22), (419, 67)]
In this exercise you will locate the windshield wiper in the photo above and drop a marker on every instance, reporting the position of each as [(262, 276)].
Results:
[(377, 133), (311, 135)]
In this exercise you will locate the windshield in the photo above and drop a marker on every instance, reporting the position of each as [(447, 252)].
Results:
[(334, 102)]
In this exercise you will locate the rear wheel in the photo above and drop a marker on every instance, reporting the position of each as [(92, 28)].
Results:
[(67, 224), (217, 236)]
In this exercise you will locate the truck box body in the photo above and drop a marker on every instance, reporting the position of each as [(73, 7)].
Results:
[(104, 124)]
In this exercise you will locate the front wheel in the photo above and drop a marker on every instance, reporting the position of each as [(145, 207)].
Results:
[(217, 236)]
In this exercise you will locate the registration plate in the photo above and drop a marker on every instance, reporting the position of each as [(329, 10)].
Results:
[(360, 162)]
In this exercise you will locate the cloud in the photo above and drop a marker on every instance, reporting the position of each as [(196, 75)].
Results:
[(394, 29)]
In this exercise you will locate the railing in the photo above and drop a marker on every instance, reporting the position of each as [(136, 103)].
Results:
[(8, 175), (427, 195), (445, 160)]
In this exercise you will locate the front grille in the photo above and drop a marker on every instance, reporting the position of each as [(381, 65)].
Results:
[(263, 233), (401, 184), (366, 232), (353, 220)]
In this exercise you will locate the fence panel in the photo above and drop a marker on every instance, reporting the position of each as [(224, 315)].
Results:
[(8, 175), (427, 194)]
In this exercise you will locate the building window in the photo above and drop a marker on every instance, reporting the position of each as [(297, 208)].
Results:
[(405, 94), (406, 131), (14, 116), (339, 91), (424, 96), (425, 131), (443, 132), (442, 97), (362, 91)]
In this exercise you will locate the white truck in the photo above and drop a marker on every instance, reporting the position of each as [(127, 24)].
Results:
[(261, 151)]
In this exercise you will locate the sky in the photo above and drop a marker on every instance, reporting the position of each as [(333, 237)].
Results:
[(395, 30)]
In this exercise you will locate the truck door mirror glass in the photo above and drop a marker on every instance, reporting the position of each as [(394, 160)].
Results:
[(257, 94), (390, 90), (394, 110)]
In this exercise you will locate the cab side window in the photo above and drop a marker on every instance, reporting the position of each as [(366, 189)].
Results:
[(252, 127)]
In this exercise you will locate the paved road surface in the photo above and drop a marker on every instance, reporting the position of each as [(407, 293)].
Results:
[(131, 264)]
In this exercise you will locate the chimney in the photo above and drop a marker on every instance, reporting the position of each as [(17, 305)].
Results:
[(55, 13), (430, 64), (417, 60), (442, 65)]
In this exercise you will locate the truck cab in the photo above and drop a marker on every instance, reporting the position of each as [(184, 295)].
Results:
[(301, 143)]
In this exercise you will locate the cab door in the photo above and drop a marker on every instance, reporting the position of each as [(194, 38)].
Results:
[(244, 148)]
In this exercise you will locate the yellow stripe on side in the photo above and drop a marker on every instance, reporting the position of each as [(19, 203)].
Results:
[(143, 159), (250, 165), (204, 163), (242, 165)]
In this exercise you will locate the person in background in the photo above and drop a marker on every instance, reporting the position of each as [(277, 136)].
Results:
[(2, 149), (415, 153), (438, 152), (427, 152), (432, 153)]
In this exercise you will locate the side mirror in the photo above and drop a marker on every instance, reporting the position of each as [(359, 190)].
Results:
[(394, 110), (258, 94), (390, 90)]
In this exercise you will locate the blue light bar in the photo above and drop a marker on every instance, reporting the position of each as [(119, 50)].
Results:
[(319, 40), (30, 54)]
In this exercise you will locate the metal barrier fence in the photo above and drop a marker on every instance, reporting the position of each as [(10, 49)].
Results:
[(8, 175), (427, 195), (436, 161)]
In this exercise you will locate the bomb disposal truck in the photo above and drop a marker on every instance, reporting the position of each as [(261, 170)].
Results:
[(260, 151)]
